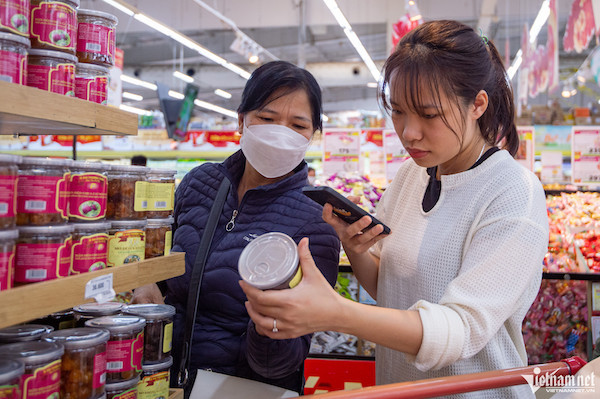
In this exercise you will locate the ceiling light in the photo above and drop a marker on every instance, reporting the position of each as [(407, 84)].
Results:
[(134, 110), (120, 7), (372, 85), (573, 91), (183, 76), (223, 93), (132, 96), (216, 108), (138, 82), (566, 93), (253, 59), (581, 79), (176, 95)]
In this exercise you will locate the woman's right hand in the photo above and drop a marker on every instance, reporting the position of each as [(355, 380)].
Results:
[(147, 294)]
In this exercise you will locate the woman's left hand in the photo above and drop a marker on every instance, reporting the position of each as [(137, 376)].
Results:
[(310, 306)]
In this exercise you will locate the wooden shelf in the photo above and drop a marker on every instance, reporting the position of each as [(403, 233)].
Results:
[(31, 301), (175, 393), (28, 110)]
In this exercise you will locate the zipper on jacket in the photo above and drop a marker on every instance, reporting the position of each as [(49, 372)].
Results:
[(231, 224)]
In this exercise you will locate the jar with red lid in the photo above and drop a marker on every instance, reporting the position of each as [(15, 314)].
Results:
[(54, 25), (8, 189), (24, 333), (11, 372), (13, 58), (8, 239), (14, 17), (90, 247), (88, 189), (52, 71), (96, 34), (91, 82)]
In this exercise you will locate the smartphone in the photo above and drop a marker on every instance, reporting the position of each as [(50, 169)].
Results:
[(347, 210)]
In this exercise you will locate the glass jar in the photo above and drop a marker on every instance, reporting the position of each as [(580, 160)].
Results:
[(14, 17), (52, 71), (59, 320), (122, 390), (8, 189), (160, 193), (125, 347), (42, 191), (7, 258), (159, 234), (43, 253), (126, 242), (54, 25), (96, 34), (126, 192), (155, 380), (11, 372), (83, 369), (88, 190), (91, 83), (158, 333), (23, 333), (92, 310), (42, 362), (90, 247), (13, 58)]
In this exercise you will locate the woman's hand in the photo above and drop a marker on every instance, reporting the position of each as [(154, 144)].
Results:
[(147, 294)]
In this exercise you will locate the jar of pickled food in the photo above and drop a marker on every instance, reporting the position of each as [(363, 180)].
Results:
[(96, 33), (59, 320), (13, 58), (88, 190), (8, 189), (43, 253), (123, 389), (90, 247), (83, 368), (126, 242), (14, 17), (7, 258), (158, 237), (91, 310), (91, 83), (11, 372), (160, 193), (23, 333), (127, 192), (155, 380), (42, 360), (54, 25), (52, 71), (158, 333), (42, 191), (125, 347)]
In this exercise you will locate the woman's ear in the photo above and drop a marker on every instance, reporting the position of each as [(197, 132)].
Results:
[(480, 104), (240, 123)]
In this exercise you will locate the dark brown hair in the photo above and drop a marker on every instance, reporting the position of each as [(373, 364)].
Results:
[(449, 57)]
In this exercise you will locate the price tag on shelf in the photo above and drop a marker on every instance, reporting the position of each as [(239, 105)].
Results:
[(552, 171), (341, 151), (100, 288), (585, 158)]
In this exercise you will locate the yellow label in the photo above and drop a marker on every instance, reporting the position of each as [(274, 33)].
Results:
[(160, 196), (141, 198), (297, 278), (167, 337), (126, 247), (168, 239), (154, 386)]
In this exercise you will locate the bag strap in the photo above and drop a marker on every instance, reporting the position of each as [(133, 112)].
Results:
[(196, 279)]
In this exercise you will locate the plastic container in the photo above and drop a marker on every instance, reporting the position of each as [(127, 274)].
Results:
[(13, 58), (126, 242), (83, 369), (271, 262), (14, 17), (91, 83), (158, 333), (160, 192), (123, 390), (126, 192), (42, 191), (24, 333), (59, 320), (8, 189), (88, 191), (52, 71), (125, 347), (7, 258), (10, 378), (155, 380), (54, 25), (43, 253), (90, 247), (92, 310), (42, 362), (96, 33), (159, 234)]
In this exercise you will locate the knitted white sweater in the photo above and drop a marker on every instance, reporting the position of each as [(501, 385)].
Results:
[(471, 266)]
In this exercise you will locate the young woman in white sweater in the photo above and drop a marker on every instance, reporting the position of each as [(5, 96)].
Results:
[(455, 278)]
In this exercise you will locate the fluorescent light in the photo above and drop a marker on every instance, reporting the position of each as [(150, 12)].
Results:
[(138, 82), (372, 85), (183, 76), (223, 93), (132, 96), (134, 110), (120, 7), (216, 108), (337, 14), (515, 64), (176, 95)]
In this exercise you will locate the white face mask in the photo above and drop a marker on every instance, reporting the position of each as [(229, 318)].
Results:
[(273, 150)]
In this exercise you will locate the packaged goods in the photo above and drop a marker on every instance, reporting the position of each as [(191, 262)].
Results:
[(155, 380), (158, 237), (271, 261), (59, 320), (126, 242), (23, 333), (13, 57), (10, 378), (8, 189), (88, 191), (125, 347), (160, 193), (43, 253), (83, 366), (90, 247), (92, 310), (42, 191), (158, 333), (96, 37), (122, 390), (14, 17), (52, 71), (126, 192), (91, 83), (54, 25), (7, 258)]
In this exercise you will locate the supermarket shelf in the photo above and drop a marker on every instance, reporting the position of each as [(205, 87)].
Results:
[(571, 276), (30, 301), (82, 154), (28, 110), (175, 393)]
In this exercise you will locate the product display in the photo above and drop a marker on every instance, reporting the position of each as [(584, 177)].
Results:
[(126, 194), (13, 58), (92, 310), (96, 37), (155, 380), (122, 390), (90, 247), (14, 17), (91, 82), (159, 237), (7, 258), (158, 333), (54, 25), (23, 333), (126, 242), (11, 372), (88, 190), (8, 189), (52, 71), (59, 320), (160, 193)]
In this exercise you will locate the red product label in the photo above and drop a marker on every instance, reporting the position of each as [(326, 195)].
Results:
[(13, 66), (55, 24), (94, 89), (99, 370), (10, 392), (14, 16), (89, 253), (42, 194), (87, 196), (129, 394), (7, 266), (93, 38), (125, 355), (40, 262), (8, 197), (44, 383), (59, 79)]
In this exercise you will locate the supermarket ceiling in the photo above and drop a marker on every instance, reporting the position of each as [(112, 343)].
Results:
[(304, 32)]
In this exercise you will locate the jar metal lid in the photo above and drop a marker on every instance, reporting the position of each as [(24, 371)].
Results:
[(9, 158), (8, 234), (118, 323), (83, 337), (35, 352), (122, 385), (91, 226), (93, 13), (162, 172), (269, 260), (84, 165), (39, 161), (128, 224), (99, 309), (15, 38), (9, 370), (58, 229), (129, 168), (162, 366), (76, 2), (153, 223), (82, 66), (25, 332), (150, 311), (53, 54)]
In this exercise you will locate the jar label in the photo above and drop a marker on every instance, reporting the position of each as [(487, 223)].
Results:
[(126, 247), (140, 197), (128, 394), (160, 196), (59, 79), (13, 66), (94, 38), (168, 338), (125, 355), (14, 16), (44, 383), (99, 378), (7, 266), (89, 253), (54, 24), (87, 196), (8, 198), (42, 194), (168, 239), (154, 386), (40, 262), (10, 391), (296, 279), (94, 90)]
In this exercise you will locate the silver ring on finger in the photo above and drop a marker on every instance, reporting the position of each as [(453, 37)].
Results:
[(275, 329)]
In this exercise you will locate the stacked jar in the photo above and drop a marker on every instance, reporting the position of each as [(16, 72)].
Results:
[(14, 41), (160, 195), (8, 232)]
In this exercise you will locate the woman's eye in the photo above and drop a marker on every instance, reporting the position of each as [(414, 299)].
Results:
[(265, 119), (430, 116), (301, 127), (396, 112)]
